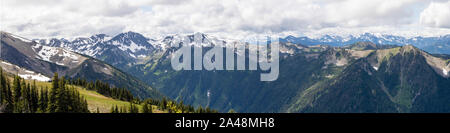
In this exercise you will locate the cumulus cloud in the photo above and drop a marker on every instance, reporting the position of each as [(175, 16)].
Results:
[(436, 15), (227, 18)]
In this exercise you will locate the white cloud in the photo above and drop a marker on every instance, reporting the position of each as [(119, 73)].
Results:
[(357, 13), (225, 18), (436, 15)]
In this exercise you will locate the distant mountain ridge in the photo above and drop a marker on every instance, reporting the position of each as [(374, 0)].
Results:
[(435, 45), (133, 45)]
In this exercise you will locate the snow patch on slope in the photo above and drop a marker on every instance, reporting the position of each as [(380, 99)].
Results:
[(22, 72), (47, 52), (445, 71), (133, 46), (376, 68), (70, 55), (38, 77)]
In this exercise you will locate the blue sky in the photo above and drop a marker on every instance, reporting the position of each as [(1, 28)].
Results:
[(232, 19)]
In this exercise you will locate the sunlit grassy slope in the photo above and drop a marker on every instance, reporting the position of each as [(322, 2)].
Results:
[(96, 100)]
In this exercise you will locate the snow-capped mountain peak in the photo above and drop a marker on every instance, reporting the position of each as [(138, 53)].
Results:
[(100, 38), (429, 44), (131, 44)]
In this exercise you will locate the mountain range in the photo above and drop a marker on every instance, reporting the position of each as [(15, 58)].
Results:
[(435, 45), (32, 60), (368, 73)]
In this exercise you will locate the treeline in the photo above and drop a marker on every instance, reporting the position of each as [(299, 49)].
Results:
[(179, 107), (104, 89), (22, 97), (133, 108), (18, 96), (164, 105), (146, 105)]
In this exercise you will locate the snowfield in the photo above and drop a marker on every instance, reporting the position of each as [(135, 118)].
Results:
[(70, 55), (376, 68), (38, 77), (445, 72), (47, 52), (23, 73), (133, 46)]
